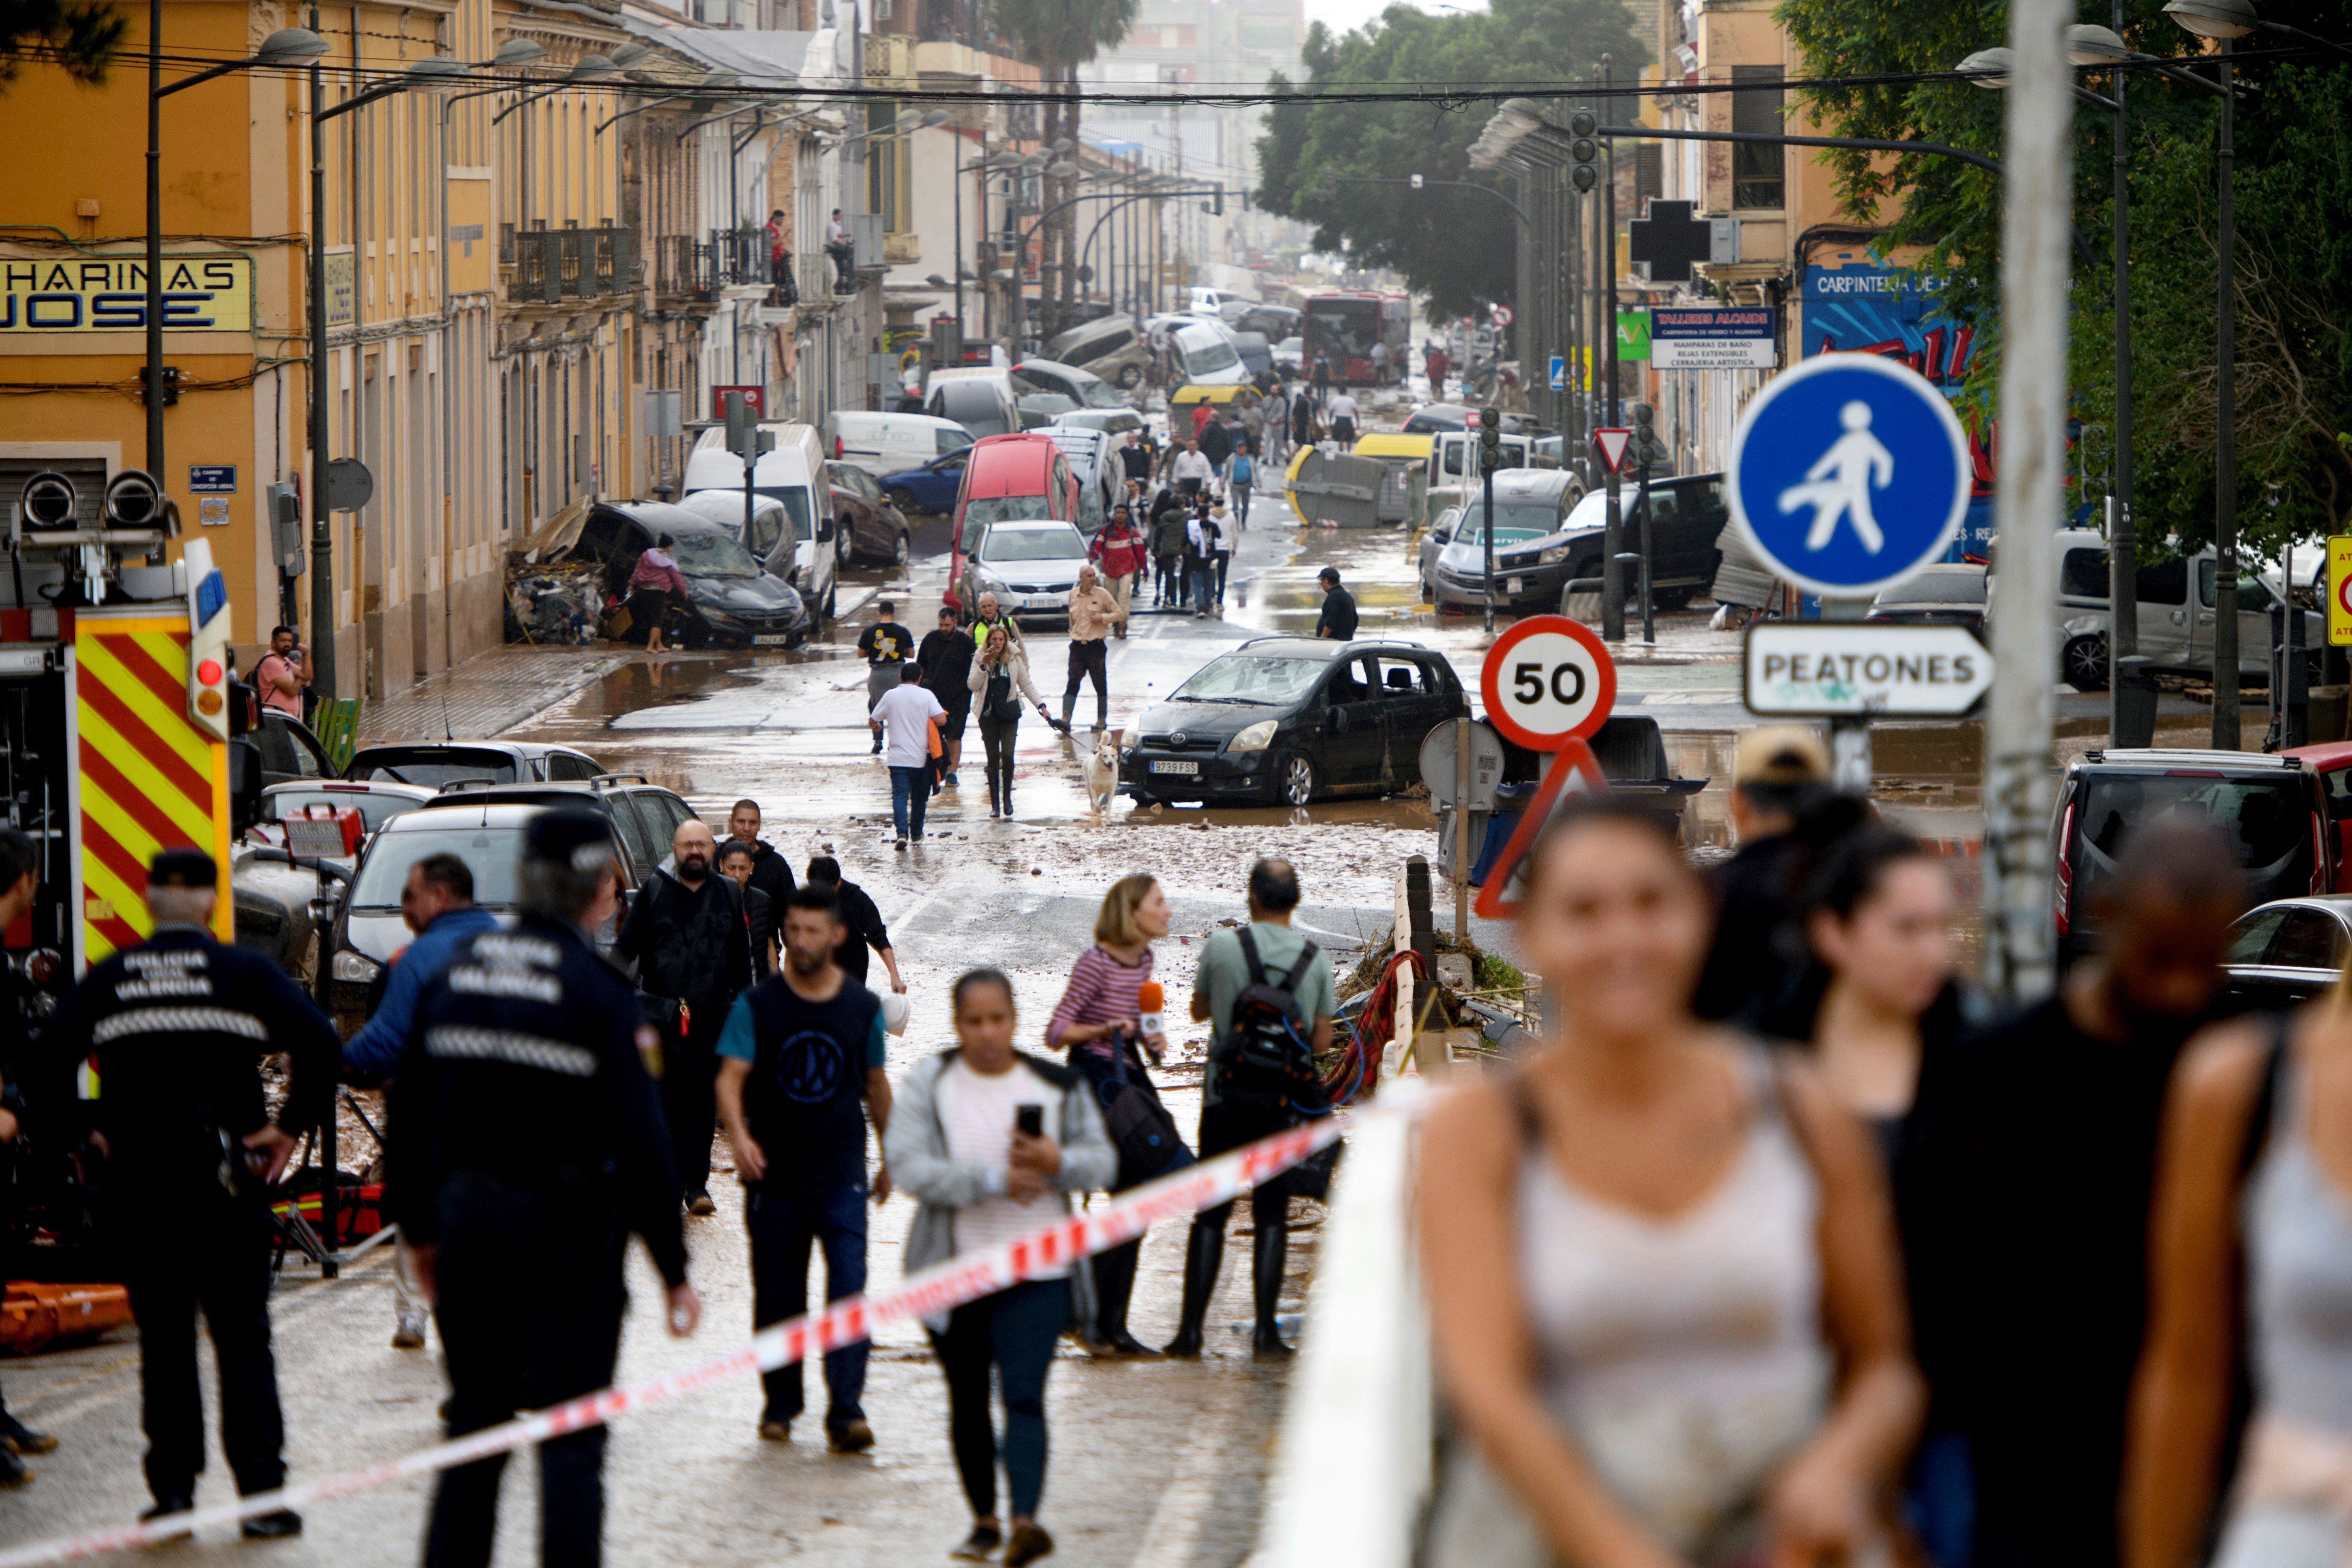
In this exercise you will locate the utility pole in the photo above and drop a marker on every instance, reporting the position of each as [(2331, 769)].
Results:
[(322, 523), (2225, 439), (2122, 545), (1612, 596), (2037, 198)]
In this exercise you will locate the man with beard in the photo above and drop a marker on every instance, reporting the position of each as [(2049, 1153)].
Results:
[(2022, 1183), (687, 932), (801, 1050)]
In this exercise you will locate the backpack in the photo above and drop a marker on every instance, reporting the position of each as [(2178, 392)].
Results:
[(1264, 1054)]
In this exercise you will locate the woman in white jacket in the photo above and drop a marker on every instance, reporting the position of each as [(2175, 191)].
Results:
[(990, 1142)]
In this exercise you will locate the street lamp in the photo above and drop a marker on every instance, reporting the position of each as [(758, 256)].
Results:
[(2227, 19), (287, 46)]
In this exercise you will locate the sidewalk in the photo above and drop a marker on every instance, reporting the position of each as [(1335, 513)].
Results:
[(489, 693)]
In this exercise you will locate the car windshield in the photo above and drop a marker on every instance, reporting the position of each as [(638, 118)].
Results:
[(1937, 588), (375, 810), (1253, 678), (796, 502), (432, 769), (1005, 509), (2262, 820), (1513, 524), (1060, 543), (1205, 354), (712, 555), (489, 852)]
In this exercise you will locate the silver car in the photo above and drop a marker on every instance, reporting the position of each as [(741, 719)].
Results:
[(1030, 566), (2288, 951)]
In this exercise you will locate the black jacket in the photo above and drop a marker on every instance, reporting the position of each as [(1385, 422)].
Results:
[(524, 1063), (771, 874), (865, 930), (1338, 617), (945, 658), (1216, 442), (693, 945)]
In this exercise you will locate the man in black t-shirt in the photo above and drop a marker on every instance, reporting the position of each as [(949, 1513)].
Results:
[(883, 646), (1339, 617), (801, 1050)]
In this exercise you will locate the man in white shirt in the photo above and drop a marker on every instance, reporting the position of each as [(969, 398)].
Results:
[(1193, 470), (1379, 365), (836, 244), (1343, 419), (905, 717)]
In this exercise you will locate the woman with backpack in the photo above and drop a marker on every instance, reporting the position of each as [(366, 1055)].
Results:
[(1106, 1028), (1665, 1299)]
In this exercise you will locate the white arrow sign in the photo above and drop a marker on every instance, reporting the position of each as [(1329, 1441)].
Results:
[(1818, 669)]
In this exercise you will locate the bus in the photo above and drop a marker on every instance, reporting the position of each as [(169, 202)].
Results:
[(1345, 326)]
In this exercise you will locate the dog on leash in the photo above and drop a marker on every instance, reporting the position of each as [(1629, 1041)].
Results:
[(1100, 768)]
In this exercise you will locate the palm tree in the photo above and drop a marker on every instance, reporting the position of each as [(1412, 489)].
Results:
[(1058, 37)]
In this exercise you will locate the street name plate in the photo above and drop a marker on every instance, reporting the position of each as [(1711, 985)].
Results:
[(1817, 669)]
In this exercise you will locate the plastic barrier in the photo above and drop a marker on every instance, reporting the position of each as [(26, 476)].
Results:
[(31, 1315)]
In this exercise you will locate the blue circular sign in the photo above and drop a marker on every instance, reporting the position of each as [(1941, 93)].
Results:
[(1848, 474)]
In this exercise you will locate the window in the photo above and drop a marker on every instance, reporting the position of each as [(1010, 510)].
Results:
[(767, 529), (2253, 594), (636, 831), (952, 441), (561, 765), (1403, 677), (2083, 574), (2308, 940), (2254, 936), (2165, 583), (1757, 171), (490, 853)]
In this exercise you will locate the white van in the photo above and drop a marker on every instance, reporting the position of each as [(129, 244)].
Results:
[(981, 398), (884, 443), (791, 473)]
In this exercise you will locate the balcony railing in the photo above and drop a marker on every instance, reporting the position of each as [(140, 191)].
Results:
[(684, 268), (742, 255), (551, 266)]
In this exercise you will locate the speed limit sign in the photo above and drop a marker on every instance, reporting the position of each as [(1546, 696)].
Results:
[(1547, 680)]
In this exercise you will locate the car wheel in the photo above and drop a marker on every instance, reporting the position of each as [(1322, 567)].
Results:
[(2083, 662), (904, 499), (845, 542), (1129, 378), (1294, 783), (903, 551)]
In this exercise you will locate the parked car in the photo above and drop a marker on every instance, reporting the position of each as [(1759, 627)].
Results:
[(2288, 952), (1432, 417), (435, 765), (1530, 555), (2333, 761), (978, 397), (930, 486), (1039, 409), (1256, 351), (1206, 352), (1276, 321), (1290, 356), (870, 527), (377, 801), (2270, 812), (806, 557), (1688, 513), (1112, 422), (1011, 478), (1285, 720), (883, 443), (1081, 386), (1949, 595), (1095, 464), (1110, 347), (289, 752), (731, 597), (1030, 566)]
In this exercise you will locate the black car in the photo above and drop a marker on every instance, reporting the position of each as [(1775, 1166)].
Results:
[(1951, 595), (731, 599), (1285, 720), (1431, 418), (1687, 514)]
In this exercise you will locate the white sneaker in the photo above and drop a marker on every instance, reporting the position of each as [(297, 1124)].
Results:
[(409, 1333)]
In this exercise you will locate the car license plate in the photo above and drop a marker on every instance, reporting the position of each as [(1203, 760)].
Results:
[(1188, 770), (1511, 585), (772, 640)]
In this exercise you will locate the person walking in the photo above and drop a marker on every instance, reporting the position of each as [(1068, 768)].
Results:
[(1201, 558), (20, 883), (1305, 431), (1216, 440), (990, 1142), (1229, 539), (1379, 362), (1167, 535), (1100, 1024), (906, 715), (284, 672), (1134, 458), (1274, 428), (1655, 1226), (771, 874), (802, 1050), (883, 646), (1780, 784), (1319, 374), (526, 1143), (991, 618), (1093, 614), (1117, 550), (945, 658), (861, 923), (176, 1027), (1343, 409), (1193, 472), (656, 587), (1250, 415), (737, 861), (1243, 1100), (691, 940), (1996, 1188), (1437, 364), (1241, 473), (1202, 414), (999, 679), (436, 902), (1336, 619)]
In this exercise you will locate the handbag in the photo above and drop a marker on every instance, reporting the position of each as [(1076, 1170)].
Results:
[(1140, 1126)]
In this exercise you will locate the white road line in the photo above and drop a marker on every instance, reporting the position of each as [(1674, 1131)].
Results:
[(1192, 1491)]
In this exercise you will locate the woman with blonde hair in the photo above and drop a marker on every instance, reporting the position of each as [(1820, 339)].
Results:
[(1100, 1022), (1663, 1284), (999, 678)]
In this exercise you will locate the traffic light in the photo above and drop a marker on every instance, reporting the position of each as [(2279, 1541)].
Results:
[(171, 385), (286, 527), (1490, 439), (1217, 199), (745, 437), (1647, 449), (1582, 149)]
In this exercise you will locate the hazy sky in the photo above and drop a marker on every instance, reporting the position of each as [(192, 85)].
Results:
[(1341, 14)]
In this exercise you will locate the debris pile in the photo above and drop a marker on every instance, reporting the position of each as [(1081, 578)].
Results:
[(557, 604)]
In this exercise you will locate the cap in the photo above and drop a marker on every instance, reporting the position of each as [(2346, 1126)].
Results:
[(182, 868), (582, 839), (1780, 755)]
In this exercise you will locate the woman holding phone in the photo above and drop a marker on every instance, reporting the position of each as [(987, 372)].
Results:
[(991, 1142)]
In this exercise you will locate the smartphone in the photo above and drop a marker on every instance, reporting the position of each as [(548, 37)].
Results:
[(1030, 1119)]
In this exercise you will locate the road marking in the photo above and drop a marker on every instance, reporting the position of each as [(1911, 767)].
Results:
[(1191, 1492)]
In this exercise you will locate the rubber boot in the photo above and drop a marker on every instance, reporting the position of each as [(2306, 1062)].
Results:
[(1271, 1255), (1102, 713), (1069, 706), (1204, 1252), (1114, 1287)]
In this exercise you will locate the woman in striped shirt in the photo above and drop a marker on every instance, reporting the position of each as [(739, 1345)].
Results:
[(1099, 1022)]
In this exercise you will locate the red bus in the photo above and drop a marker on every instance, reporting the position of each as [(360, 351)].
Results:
[(1345, 325)]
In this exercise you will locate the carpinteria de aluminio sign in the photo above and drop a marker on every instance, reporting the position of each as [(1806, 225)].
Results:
[(109, 294)]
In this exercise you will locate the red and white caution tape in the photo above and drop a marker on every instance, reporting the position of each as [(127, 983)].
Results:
[(933, 1291)]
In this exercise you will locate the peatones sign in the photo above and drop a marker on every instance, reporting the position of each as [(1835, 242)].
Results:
[(109, 294)]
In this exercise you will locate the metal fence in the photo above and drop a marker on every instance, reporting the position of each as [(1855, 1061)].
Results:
[(551, 266), (684, 268)]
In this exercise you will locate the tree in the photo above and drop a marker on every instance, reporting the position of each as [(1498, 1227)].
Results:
[(1456, 246), (1058, 37), (2294, 170), (79, 36)]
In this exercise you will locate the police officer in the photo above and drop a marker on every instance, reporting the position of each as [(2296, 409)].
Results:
[(526, 1142), (178, 1025)]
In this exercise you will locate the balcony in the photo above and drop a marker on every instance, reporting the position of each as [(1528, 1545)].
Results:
[(685, 269), (902, 248), (740, 257), (554, 266)]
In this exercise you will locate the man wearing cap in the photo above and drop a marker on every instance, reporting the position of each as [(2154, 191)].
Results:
[(176, 1027), (527, 1142), (1779, 772)]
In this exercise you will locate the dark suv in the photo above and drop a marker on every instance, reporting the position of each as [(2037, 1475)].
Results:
[(1283, 720), (2268, 810)]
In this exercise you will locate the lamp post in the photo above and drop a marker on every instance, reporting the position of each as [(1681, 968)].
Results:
[(286, 46)]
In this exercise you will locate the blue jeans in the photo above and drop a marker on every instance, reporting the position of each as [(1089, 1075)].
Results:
[(1241, 501), (911, 791), (1015, 1330), (1205, 585), (783, 1225)]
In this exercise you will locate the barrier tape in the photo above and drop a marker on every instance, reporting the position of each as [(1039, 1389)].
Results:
[(934, 1290)]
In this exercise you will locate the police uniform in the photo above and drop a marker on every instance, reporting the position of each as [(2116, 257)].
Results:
[(177, 1027), (526, 1142)]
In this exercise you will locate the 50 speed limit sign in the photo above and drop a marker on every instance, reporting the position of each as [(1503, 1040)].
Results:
[(1547, 679)]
